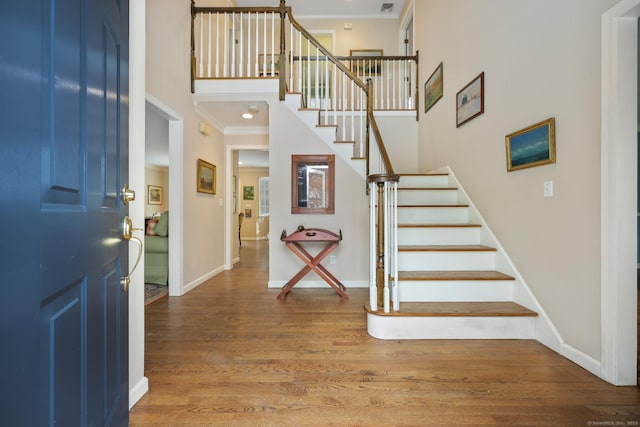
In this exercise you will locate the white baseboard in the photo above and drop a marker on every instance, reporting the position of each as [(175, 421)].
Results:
[(255, 238), (581, 359), (318, 284), (200, 280), (236, 260), (137, 391)]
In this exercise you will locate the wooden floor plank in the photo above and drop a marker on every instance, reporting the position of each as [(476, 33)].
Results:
[(229, 353)]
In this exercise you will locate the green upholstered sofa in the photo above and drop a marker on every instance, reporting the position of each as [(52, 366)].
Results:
[(156, 251)]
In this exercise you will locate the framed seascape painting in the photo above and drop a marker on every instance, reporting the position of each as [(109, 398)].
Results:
[(470, 101), (433, 88), (206, 180), (532, 146)]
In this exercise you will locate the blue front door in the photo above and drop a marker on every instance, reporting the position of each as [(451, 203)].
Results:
[(63, 163)]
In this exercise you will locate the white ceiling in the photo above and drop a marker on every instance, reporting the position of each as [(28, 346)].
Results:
[(227, 115), (334, 8)]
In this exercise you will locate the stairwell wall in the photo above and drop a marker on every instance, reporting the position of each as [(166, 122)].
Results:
[(541, 59), (289, 135)]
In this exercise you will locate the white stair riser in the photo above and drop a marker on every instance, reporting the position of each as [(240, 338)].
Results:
[(425, 181), (399, 327), (432, 215), (449, 261), (427, 197), (439, 236), (455, 291)]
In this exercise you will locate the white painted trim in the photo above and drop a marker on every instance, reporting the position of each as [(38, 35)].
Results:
[(255, 238), (137, 84), (619, 194), (229, 234), (581, 359), (137, 391), (176, 199), (200, 280), (318, 284), (246, 130), (450, 327)]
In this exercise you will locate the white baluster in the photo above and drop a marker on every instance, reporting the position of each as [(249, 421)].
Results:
[(217, 44), (385, 201), (240, 57), (273, 48), (209, 48), (200, 60), (373, 290), (249, 44), (394, 247), (233, 44), (257, 60), (264, 46), (226, 48)]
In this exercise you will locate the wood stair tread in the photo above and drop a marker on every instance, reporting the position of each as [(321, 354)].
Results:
[(423, 174), (458, 309), (445, 248), (452, 225), (428, 188), (449, 205), (473, 275)]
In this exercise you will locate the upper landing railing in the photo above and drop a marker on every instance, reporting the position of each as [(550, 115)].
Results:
[(268, 43)]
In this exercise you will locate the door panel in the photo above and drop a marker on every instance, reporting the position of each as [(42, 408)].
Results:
[(63, 133)]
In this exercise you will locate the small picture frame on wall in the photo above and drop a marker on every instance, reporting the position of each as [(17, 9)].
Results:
[(470, 101), (532, 146), (433, 88), (206, 179), (247, 192), (366, 63), (154, 195)]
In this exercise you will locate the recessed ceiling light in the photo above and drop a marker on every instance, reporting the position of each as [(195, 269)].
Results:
[(247, 116)]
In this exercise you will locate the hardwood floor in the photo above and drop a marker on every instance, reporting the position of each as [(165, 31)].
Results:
[(230, 354)]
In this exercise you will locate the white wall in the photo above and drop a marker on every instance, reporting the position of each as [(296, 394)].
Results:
[(541, 59), (290, 136), (168, 80)]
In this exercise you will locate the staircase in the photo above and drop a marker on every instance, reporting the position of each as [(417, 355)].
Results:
[(448, 284)]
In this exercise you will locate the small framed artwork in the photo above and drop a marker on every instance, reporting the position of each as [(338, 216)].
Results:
[(268, 65), (235, 184), (154, 195), (247, 192), (206, 180), (470, 101), (433, 88), (532, 146), (247, 213), (366, 63)]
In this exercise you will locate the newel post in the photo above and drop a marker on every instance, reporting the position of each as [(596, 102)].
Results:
[(283, 47), (380, 244)]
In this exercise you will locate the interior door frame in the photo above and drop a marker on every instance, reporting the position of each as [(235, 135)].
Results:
[(230, 234), (618, 361), (176, 197)]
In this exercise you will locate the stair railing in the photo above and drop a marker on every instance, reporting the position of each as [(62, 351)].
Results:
[(245, 42)]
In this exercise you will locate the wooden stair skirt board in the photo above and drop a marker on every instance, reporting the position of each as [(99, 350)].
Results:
[(454, 320)]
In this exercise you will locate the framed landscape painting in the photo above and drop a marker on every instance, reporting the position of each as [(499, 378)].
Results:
[(433, 88), (532, 146), (470, 101), (206, 181), (154, 195)]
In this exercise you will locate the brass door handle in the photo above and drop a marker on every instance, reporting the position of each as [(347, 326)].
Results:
[(127, 234)]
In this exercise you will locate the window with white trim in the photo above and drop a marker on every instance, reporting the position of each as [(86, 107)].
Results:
[(263, 191)]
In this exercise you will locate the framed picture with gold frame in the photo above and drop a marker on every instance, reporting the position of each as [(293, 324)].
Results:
[(206, 180), (532, 146)]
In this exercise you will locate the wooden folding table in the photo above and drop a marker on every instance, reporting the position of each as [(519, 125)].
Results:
[(293, 242)]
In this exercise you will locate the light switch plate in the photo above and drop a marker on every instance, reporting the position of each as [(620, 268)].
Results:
[(548, 189)]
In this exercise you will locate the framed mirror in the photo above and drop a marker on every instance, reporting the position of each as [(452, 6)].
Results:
[(312, 184)]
